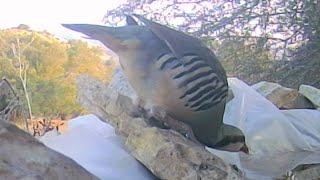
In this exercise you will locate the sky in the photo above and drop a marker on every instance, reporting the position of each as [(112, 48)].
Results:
[(49, 14)]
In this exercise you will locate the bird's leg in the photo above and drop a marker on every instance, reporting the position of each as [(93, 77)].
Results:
[(134, 107), (174, 124)]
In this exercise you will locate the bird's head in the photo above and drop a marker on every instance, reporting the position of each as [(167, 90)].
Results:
[(232, 140)]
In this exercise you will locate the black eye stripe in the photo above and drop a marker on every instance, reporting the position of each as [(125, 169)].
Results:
[(230, 139)]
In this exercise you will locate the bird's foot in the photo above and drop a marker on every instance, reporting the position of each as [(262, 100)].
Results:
[(174, 124), (190, 135)]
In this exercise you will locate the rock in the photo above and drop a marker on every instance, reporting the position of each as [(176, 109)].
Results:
[(171, 156), (312, 93), (127, 128), (103, 101), (282, 97), (306, 172), (120, 84), (166, 153), (24, 157), (94, 95)]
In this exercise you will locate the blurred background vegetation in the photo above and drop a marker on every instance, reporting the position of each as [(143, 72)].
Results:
[(42, 69), (273, 40)]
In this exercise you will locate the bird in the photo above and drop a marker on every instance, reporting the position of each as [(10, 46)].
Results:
[(174, 73)]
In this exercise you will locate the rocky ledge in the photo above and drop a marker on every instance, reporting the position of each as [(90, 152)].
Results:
[(166, 153)]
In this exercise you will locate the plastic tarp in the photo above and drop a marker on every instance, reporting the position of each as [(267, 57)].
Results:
[(94, 145), (278, 140)]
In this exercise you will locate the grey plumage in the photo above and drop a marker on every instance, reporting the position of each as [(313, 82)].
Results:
[(174, 72)]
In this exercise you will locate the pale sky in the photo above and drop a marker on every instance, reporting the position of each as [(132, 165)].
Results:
[(49, 14)]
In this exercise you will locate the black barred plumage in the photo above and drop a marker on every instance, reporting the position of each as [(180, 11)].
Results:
[(202, 89), (212, 98), (167, 60), (196, 87), (198, 76)]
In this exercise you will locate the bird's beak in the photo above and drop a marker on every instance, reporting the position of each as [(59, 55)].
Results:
[(109, 36), (245, 149)]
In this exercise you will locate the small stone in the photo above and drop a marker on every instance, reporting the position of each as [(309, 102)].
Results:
[(312, 93)]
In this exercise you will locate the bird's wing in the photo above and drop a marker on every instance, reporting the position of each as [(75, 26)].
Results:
[(182, 44), (195, 68), (130, 21)]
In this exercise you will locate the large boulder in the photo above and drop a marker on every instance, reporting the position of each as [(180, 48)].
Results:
[(312, 93), (166, 153), (282, 97), (24, 157)]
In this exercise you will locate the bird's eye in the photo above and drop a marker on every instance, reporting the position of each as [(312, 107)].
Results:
[(131, 43)]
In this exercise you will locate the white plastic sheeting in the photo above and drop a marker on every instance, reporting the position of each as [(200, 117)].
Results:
[(278, 140), (268, 129), (94, 145)]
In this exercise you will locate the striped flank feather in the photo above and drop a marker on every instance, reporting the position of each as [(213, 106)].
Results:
[(200, 84)]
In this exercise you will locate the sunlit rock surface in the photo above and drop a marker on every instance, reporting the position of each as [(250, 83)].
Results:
[(282, 97), (312, 93), (24, 157)]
